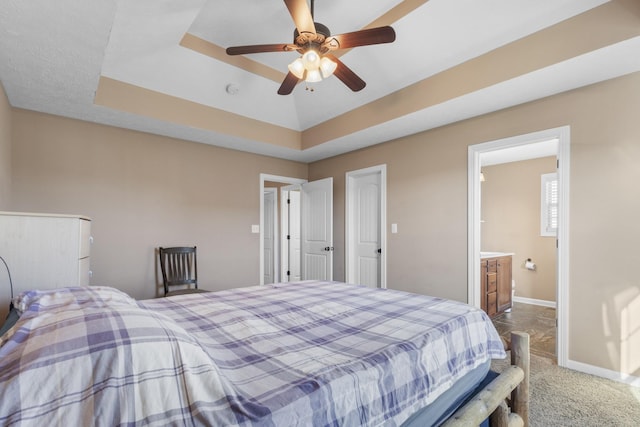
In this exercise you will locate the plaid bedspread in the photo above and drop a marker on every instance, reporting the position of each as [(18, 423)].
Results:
[(299, 354)]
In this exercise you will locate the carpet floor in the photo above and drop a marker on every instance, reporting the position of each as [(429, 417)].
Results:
[(563, 397)]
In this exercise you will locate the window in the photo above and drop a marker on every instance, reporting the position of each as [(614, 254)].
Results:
[(549, 205)]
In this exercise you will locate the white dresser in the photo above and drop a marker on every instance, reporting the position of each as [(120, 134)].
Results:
[(43, 251)]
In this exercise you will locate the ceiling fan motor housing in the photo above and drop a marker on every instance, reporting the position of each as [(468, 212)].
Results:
[(322, 32)]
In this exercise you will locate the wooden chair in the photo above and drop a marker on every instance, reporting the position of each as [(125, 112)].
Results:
[(179, 267)]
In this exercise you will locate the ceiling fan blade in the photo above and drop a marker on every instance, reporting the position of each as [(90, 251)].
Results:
[(289, 82), (260, 48), (366, 37), (346, 75), (301, 14)]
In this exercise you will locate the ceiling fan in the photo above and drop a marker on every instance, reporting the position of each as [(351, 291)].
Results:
[(315, 43)]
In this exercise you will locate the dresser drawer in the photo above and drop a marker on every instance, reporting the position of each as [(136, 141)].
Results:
[(85, 238), (84, 272)]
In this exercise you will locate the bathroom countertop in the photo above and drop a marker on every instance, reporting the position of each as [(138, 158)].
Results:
[(495, 254)]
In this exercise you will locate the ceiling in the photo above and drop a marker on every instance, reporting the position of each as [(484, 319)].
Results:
[(159, 66), (518, 153)]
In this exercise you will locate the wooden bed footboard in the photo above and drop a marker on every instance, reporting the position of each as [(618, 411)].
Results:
[(505, 401)]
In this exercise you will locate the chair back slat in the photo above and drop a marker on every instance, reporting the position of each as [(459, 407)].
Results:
[(179, 267)]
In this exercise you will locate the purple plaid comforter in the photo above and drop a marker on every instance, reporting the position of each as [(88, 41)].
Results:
[(298, 354)]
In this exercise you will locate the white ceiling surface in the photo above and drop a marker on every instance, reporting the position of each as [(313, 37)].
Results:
[(53, 53), (528, 151)]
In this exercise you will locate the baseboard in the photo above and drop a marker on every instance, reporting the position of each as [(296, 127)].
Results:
[(583, 367), (604, 373), (534, 301)]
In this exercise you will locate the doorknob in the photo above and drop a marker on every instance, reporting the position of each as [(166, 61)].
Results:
[(328, 248), (380, 250)]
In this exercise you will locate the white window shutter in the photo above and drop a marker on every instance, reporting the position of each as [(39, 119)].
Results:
[(549, 204)]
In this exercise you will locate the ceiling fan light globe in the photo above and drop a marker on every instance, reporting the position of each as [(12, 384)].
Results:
[(311, 60), (297, 68), (327, 67), (314, 76)]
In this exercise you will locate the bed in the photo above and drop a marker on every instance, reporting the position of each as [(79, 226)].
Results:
[(291, 354)]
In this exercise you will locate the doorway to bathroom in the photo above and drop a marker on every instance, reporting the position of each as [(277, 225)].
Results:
[(494, 160)]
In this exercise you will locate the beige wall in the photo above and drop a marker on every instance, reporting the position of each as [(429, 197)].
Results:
[(427, 198), (511, 223), (143, 191), (5, 151), (115, 176)]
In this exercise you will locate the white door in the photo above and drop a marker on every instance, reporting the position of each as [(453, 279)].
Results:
[(317, 230), (270, 235), (290, 234), (365, 227), (367, 230)]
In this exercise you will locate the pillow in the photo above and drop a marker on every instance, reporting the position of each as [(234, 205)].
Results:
[(49, 300)]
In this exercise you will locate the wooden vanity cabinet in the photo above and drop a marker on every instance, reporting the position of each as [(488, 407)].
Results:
[(504, 291), (495, 285)]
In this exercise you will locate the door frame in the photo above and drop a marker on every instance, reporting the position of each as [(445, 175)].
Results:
[(276, 233), (274, 178), (285, 217), (563, 135), (349, 219)]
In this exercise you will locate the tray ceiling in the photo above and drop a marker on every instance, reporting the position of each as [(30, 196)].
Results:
[(160, 67)]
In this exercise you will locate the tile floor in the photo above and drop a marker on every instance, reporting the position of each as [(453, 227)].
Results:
[(539, 322)]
